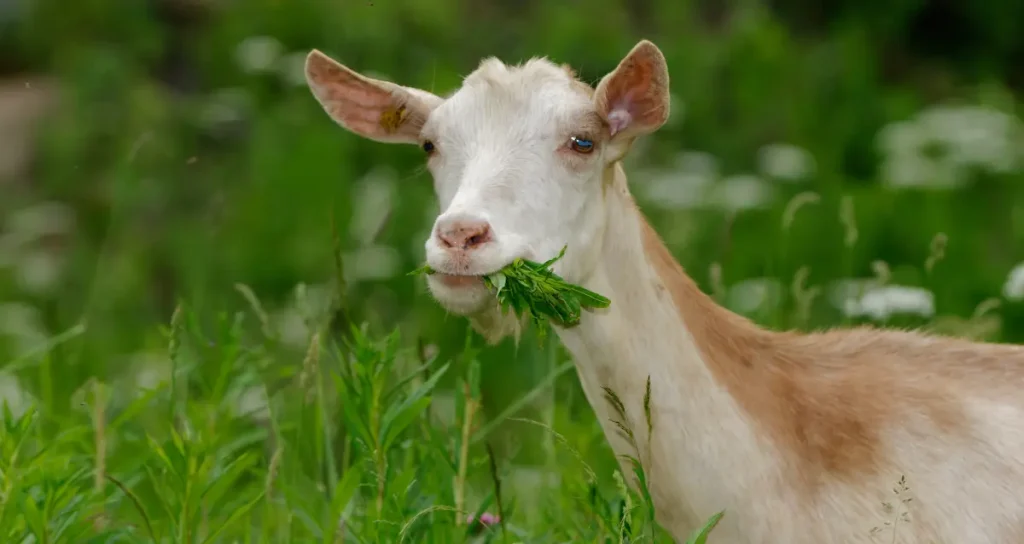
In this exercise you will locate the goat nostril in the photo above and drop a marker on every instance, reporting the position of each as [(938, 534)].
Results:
[(477, 239), (464, 236)]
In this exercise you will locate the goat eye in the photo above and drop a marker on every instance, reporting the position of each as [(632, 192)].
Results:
[(581, 145), (428, 146)]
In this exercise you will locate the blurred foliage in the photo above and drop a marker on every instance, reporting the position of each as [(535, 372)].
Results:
[(187, 156)]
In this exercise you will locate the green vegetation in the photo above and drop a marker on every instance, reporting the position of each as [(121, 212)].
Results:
[(823, 166), (530, 288)]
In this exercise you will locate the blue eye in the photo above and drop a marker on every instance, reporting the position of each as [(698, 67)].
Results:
[(581, 145)]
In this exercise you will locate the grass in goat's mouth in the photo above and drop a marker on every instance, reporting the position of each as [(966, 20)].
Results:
[(527, 287)]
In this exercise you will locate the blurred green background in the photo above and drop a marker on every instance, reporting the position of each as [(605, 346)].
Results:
[(827, 162)]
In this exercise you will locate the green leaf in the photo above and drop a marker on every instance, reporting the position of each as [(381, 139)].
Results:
[(498, 280), (34, 518), (234, 517), (352, 412), (403, 419), (227, 477), (397, 411), (162, 455), (561, 254), (408, 378), (344, 491), (425, 269), (701, 536), (136, 407)]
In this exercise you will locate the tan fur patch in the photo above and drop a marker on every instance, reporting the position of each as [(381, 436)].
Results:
[(825, 407)]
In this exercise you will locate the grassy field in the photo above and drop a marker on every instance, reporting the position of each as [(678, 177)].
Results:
[(243, 441), (207, 333), (352, 442)]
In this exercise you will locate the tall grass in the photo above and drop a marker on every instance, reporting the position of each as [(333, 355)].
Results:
[(244, 442)]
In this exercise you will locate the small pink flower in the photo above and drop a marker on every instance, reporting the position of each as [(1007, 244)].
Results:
[(486, 519)]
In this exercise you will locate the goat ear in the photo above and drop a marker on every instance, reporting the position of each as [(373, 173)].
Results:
[(378, 110), (634, 98)]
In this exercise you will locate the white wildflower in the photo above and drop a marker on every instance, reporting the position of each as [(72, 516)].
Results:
[(902, 138), (741, 192), (754, 294), (841, 291), (698, 163), (372, 263), (291, 328), (882, 302), (920, 171), (38, 271), (14, 395), (1013, 289), (942, 145), (677, 191), (314, 301), (684, 185), (152, 369), (24, 325), (785, 162), (253, 402), (41, 219), (258, 54), (976, 136), (371, 203)]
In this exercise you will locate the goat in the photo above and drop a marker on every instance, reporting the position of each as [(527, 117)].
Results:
[(798, 437)]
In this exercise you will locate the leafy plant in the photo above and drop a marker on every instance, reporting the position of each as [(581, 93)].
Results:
[(531, 288)]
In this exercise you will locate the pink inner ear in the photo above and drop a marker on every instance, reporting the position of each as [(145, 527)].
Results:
[(350, 99), (357, 95), (619, 117), (359, 104), (620, 114), (634, 97)]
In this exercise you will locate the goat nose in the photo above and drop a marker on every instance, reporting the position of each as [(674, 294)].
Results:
[(464, 233)]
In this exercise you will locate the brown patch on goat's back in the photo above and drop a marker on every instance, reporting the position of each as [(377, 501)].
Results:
[(825, 409)]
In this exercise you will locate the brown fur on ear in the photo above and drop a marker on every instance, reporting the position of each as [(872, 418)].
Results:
[(374, 109), (634, 98)]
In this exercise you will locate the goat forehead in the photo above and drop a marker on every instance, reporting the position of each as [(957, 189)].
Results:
[(535, 72), (532, 97)]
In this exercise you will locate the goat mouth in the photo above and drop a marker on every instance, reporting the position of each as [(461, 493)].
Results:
[(461, 280), (458, 280)]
